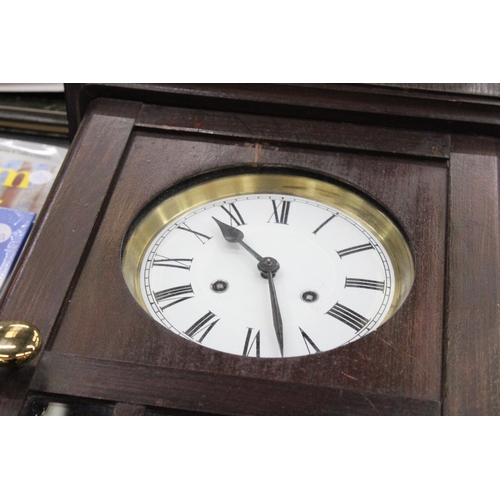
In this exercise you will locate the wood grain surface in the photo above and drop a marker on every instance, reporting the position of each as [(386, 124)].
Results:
[(416, 151), (209, 392), (60, 236), (314, 133), (436, 108), (402, 359), (472, 381)]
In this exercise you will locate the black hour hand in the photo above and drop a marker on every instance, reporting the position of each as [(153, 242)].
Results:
[(234, 235)]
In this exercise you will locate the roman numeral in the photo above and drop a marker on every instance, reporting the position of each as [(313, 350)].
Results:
[(348, 316), (174, 295), (308, 342), (202, 237), (324, 224), (202, 326), (368, 284), (178, 263), (233, 213), (356, 249), (280, 212), (252, 343)]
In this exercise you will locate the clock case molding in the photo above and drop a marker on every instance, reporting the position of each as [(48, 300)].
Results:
[(429, 155)]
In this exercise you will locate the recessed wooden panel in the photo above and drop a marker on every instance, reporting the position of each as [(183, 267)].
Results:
[(402, 359), (285, 130), (60, 236), (473, 300)]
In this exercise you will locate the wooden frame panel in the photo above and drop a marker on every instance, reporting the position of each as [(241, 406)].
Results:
[(60, 236), (473, 300), (207, 392), (156, 161), (471, 372)]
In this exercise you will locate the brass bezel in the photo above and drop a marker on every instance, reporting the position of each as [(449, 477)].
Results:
[(365, 212)]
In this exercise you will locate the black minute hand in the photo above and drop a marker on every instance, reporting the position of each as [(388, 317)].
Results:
[(234, 235), (269, 266)]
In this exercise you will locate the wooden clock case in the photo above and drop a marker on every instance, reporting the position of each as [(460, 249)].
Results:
[(427, 154)]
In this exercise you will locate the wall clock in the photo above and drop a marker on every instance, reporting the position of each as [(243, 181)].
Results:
[(323, 252), (137, 310)]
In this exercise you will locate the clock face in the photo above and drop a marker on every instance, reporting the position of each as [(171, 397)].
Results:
[(268, 265)]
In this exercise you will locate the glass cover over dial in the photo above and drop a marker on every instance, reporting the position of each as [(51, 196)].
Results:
[(268, 265)]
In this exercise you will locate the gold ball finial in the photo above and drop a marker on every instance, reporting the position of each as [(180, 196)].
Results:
[(19, 342)]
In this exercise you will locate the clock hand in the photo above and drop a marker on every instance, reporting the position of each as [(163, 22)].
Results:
[(269, 266), (234, 235)]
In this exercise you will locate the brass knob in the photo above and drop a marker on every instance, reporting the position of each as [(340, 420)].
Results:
[(19, 342)]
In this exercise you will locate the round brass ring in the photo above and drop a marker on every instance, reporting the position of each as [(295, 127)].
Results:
[(337, 196)]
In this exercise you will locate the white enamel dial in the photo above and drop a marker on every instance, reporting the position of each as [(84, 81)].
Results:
[(204, 277)]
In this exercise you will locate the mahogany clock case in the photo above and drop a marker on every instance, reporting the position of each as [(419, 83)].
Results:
[(430, 358)]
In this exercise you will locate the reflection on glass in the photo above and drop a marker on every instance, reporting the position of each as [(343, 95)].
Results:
[(45, 406), (56, 410), (48, 406)]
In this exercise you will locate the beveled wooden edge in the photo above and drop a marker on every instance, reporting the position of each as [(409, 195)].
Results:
[(471, 89), (205, 392), (42, 278), (355, 103), (53, 220), (472, 325), (296, 131)]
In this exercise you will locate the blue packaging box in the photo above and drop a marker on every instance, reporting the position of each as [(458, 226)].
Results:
[(15, 227)]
